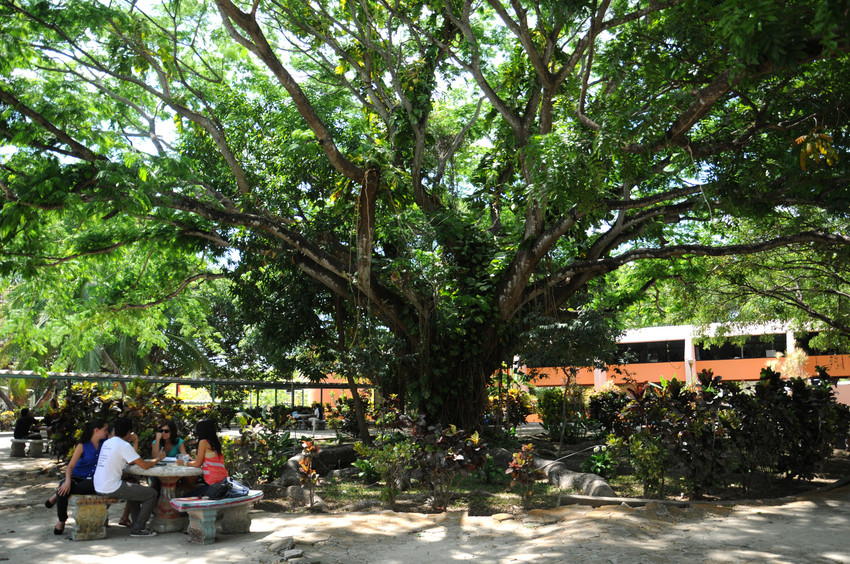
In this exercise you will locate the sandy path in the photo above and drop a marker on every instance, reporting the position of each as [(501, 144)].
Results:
[(813, 528)]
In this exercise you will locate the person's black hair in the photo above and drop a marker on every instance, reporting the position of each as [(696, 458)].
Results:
[(88, 430), (172, 436), (122, 426), (207, 429), (25, 411)]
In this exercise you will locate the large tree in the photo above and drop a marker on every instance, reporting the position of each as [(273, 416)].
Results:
[(454, 171)]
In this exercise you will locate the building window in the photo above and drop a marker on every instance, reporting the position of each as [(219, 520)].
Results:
[(756, 346), (655, 351)]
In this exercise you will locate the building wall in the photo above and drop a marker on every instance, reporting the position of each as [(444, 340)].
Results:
[(329, 395), (737, 369)]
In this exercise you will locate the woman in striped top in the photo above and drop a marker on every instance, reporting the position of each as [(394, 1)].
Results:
[(209, 458)]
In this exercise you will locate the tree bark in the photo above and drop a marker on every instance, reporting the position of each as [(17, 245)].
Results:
[(359, 410), (48, 393), (10, 405)]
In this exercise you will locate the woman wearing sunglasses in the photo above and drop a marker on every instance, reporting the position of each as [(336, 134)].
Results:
[(168, 441)]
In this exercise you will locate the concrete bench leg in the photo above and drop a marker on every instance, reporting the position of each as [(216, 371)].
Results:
[(90, 517), (36, 448), (18, 449), (202, 526), (236, 519)]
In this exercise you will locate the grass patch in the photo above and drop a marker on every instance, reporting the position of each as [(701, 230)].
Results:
[(472, 494)]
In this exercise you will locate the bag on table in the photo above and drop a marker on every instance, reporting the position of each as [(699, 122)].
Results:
[(236, 489), (218, 490)]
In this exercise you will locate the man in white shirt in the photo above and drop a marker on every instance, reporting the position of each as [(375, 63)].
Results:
[(115, 454)]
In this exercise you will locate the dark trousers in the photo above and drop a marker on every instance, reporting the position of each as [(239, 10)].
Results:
[(79, 486), (141, 500)]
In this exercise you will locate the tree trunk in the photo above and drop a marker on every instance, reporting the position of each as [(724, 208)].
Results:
[(456, 397), (48, 393), (359, 410), (10, 405)]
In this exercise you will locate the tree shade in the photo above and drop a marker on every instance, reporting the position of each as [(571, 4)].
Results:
[(440, 176)]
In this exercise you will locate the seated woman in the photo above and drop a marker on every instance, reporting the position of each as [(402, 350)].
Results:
[(79, 473), (166, 440), (209, 459)]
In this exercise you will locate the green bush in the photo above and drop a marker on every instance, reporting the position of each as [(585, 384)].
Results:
[(650, 461), (717, 433), (259, 454), (600, 462), (389, 461), (367, 471), (562, 410)]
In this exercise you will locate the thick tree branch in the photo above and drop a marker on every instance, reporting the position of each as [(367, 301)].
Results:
[(79, 150), (171, 295), (609, 264), (249, 25)]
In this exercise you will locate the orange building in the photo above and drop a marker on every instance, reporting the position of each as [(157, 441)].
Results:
[(670, 352)]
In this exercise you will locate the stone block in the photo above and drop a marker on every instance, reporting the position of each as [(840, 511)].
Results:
[(282, 545), (90, 513), (293, 553)]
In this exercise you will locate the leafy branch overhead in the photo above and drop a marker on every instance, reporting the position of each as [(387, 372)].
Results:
[(420, 183)]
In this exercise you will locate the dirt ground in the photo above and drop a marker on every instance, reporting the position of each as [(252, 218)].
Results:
[(809, 528)]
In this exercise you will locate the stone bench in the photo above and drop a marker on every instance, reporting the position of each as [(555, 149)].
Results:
[(18, 446), (90, 513), (235, 517)]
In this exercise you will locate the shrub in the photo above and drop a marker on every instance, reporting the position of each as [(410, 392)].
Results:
[(443, 455), (717, 432), (259, 454), (490, 471), (367, 470), (562, 412), (515, 406), (604, 407), (600, 462), (524, 473), (83, 402), (500, 437), (143, 403), (388, 416), (649, 459), (342, 416), (7, 421), (309, 477), (390, 461)]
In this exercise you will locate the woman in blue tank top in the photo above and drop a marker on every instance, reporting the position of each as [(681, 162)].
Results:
[(78, 474)]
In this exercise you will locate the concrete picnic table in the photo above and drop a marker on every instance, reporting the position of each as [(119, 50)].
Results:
[(166, 518)]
